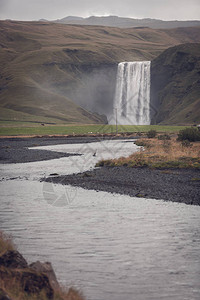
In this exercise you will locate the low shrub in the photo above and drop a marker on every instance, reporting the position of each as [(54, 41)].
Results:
[(141, 143), (151, 134), (186, 143), (139, 133), (191, 134), (164, 137)]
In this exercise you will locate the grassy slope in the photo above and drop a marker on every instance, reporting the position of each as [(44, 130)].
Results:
[(41, 64), (176, 80)]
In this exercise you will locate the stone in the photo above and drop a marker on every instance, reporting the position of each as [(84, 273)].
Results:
[(47, 269), (26, 280), (13, 259), (34, 283)]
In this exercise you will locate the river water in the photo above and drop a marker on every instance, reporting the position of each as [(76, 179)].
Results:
[(111, 247)]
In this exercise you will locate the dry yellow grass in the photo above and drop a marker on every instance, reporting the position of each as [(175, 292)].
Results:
[(170, 149), (5, 243), (161, 154)]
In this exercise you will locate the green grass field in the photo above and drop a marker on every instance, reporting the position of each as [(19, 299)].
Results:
[(11, 130)]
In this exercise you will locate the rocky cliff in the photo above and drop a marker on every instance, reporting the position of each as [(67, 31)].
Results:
[(175, 85)]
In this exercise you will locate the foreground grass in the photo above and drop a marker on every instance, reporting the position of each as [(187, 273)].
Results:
[(160, 154), (11, 285), (11, 130), (5, 243)]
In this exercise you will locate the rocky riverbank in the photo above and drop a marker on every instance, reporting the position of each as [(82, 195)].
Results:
[(20, 280), (177, 185)]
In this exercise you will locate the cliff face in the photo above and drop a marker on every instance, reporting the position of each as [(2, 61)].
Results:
[(175, 85), (55, 73)]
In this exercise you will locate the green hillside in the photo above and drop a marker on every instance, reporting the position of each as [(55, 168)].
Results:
[(175, 88), (43, 65)]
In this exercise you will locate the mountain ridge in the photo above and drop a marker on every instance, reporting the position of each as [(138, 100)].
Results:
[(58, 73), (123, 22)]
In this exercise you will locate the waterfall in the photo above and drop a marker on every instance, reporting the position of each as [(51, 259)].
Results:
[(132, 94)]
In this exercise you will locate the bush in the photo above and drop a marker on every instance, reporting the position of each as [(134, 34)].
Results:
[(139, 133), (164, 137), (186, 143), (141, 143), (151, 134), (191, 134)]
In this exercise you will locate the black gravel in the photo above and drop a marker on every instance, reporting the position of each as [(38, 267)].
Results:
[(15, 150), (180, 185)]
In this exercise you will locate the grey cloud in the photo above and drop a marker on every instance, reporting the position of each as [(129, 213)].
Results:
[(3, 4)]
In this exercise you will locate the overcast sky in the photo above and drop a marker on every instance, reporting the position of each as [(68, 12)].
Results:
[(56, 9)]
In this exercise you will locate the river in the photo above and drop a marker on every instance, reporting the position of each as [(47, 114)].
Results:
[(111, 247)]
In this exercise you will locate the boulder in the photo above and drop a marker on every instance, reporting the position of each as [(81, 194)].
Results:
[(13, 259), (34, 283), (28, 281), (47, 269)]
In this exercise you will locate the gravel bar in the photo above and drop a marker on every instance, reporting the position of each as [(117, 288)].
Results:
[(177, 185)]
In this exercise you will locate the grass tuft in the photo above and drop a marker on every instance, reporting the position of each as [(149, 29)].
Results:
[(5, 243), (151, 133)]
